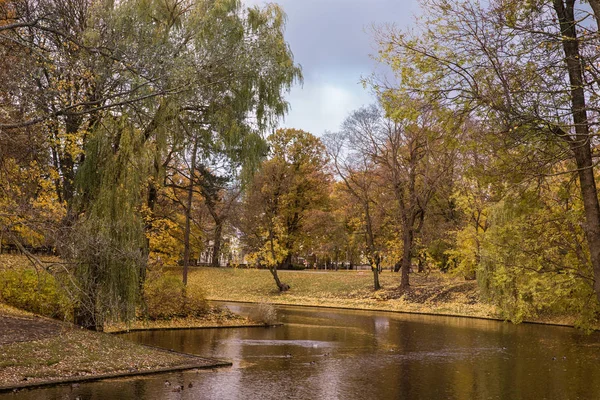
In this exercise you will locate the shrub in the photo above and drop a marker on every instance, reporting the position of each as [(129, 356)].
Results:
[(297, 267), (37, 292), (265, 313), (166, 297)]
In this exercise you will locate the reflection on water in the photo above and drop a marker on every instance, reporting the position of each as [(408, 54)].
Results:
[(337, 354)]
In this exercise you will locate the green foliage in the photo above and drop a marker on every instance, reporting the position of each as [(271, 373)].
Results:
[(108, 240), (438, 251), (166, 297), (128, 85), (37, 292), (533, 260), (296, 267)]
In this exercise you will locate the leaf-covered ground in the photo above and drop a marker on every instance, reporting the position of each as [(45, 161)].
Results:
[(215, 317), (34, 349), (429, 293)]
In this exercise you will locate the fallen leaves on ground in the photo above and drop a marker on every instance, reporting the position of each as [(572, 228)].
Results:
[(67, 351), (214, 317)]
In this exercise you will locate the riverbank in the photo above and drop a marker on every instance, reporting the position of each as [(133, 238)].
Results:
[(430, 293), (36, 351), (434, 293), (213, 318)]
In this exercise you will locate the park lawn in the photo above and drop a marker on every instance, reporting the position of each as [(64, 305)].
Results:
[(434, 293)]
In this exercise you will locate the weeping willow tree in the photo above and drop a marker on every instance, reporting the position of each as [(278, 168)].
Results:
[(532, 259), (108, 243), (206, 73)]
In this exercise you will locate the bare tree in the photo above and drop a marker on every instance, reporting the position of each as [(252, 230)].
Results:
[(356, 169), (412, 156)]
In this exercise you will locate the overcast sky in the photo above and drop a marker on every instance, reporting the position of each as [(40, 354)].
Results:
[(331, 39)]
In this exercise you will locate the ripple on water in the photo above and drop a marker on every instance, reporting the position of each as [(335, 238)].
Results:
[(275, 342)]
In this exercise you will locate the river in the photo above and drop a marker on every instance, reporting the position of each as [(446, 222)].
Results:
[(344, 354)]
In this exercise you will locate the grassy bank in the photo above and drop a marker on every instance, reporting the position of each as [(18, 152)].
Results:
[(214, 318), (434, 293), (41, 293), (35, 349)]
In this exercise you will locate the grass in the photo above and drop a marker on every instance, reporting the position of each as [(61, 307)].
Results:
[(435, 293), (215, 317), (5, 309)]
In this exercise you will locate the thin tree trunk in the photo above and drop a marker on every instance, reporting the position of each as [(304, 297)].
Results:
[(188, 215), (375, 269), (217, 244), (85, 314), (406, 256), (283, 287), (273, 269), (373, 256), (376, 285)]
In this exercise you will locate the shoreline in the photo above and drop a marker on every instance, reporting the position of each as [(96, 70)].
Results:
[(58, 333), (115, 375), (181, 328), (408, 312), (38, 352)]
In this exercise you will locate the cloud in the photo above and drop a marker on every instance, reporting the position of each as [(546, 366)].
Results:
[(332, 41), (321, 106)]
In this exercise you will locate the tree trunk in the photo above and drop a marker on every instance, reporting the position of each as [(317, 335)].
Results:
[(375, 264), (421, 263), (595, 4), (406, 257), (85, 314), (373, 255), (188, 215), (580, 145), (217, 244), (84, 318), (67, 162), (376, 285), (283, 287), (287, 262), (589, 194)]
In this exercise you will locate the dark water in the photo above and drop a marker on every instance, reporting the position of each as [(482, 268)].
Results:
[(335, 354)]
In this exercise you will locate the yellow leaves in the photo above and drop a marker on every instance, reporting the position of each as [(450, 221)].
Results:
[(270, 254), (164, 237), (62, 85)]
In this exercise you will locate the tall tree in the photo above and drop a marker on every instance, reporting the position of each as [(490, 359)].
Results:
[(293, 181), (114, 85), (528, 68), (356, 169), (412, 149)]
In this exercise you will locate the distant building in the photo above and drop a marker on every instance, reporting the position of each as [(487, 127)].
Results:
[(232, 253)]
